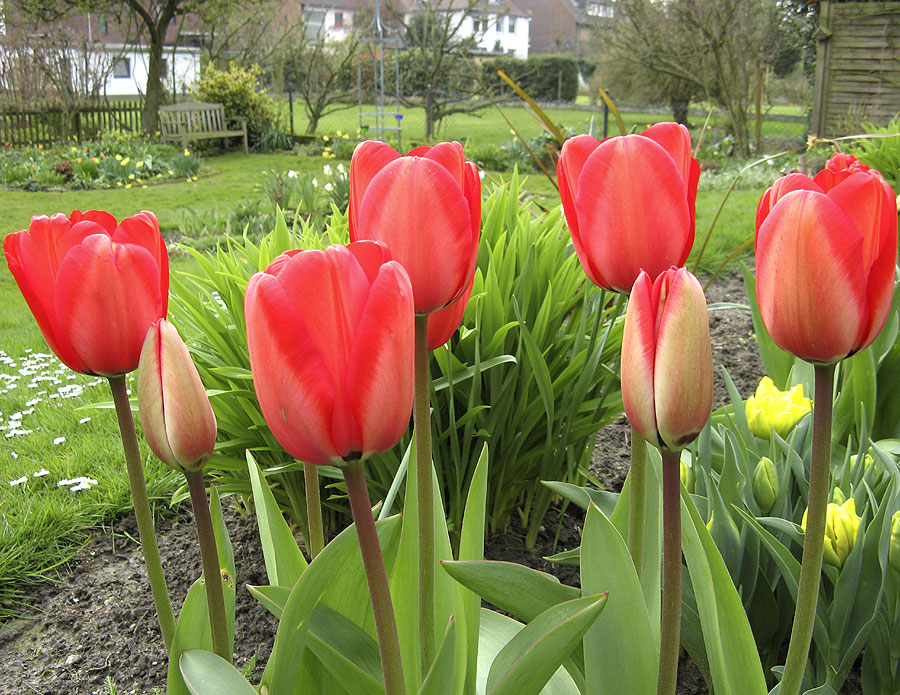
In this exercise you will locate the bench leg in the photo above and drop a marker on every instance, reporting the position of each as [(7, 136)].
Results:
[(246, 149)]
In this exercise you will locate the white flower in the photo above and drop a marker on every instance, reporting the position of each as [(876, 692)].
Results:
[(340, 168), (41, 473), (291, 174), (326, 170), (328, 187), (84, 420), (315, 183), (18, 481), (59, 440)]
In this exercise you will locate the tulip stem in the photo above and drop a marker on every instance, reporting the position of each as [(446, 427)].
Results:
[(425, 508), (376, 576), (142, 512), (670, 623), (814, 539), (313, 509), (209, 556), (637, 499)]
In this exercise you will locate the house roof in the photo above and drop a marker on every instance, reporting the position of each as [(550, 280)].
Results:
[(509, 7)]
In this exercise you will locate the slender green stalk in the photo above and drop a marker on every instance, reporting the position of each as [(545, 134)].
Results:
[(425, 507), (814, 540), (376, 576), (313, 509), (670, 624), (209, 557), (637, 497), (142, 512)]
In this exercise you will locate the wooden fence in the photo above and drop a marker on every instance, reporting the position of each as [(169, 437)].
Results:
[(857, 55), (50, 122)]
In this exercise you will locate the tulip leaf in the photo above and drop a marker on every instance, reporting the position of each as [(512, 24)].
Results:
[(347, 651), (733, 659), (618, 659), (496, 632), (191, 632), (206, 673), (530, 658), (583, 496), (440, 677), (469, 372), (283, 557), (273, 598), (566, 557)]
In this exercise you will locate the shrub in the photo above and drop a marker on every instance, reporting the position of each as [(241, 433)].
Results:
[(543, 77), (882, 153)]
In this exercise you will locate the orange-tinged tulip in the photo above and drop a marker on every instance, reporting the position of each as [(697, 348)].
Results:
[(94, 286), (826, 249), (330, 335), (178, 422), (667, 378), (629, 202), (426, 206)]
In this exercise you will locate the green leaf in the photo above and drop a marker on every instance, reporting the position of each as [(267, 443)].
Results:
[(733, 660), (191, 632), (440, 678), (528, 661), (284, 560), (209, 674), (623, 642), (273, 598), (584, 496), (346, 651)]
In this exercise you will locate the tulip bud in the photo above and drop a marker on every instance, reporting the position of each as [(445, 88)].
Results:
[(838, 496), (771, 408), (894, 552), (686, 471), (765, 484), (176, 417), (841, 529)]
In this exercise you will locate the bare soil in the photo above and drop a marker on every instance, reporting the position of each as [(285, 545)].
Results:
[(98, 621)]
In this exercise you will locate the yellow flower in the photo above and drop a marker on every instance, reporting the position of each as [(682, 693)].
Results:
[(125, 161), (74, 149), (841, 529), (187, 152), (345, 136), (171, 173), (131, 176), (770, 408), (118, 157), (95, 160), (139, 164), (127, 185), (338, 133)]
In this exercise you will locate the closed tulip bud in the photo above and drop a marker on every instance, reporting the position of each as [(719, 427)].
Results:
[(765, 484), (769, 408), (841, 529), (629, 202), (686, 471), (178, 422), (826, 249), (667, 376), (894, 552), (837, 496)]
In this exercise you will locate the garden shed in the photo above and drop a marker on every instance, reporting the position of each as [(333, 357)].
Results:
[(857, 60)]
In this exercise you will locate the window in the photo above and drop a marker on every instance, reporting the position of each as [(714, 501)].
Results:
[(315, 21), (103, 24), (338, 19), (164, 67), (122, 68), (511, 25)]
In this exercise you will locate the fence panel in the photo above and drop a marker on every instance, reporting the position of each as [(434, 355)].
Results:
[(46, 123)]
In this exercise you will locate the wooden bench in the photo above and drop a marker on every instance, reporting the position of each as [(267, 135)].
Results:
[(196, 120)]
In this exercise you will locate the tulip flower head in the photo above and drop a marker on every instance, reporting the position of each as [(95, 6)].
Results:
[(330, 335), (629, 202), (426, 206), (770, 408), (894, 550), (442, 324), (841, 529), (94, 286), (667, 379), (764, 482), (177, 419), (826, 249)]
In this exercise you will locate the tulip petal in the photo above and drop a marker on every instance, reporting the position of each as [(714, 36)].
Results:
[(151, 397), (675, 139), (452, 157), (380, 370), (633, 212), (572, 156), (810, 281), (683, 369), (638, 356), (143, 229), (442, 324), (106, 295), (101, 217), (779, 189), (369, 157), (415, 207)]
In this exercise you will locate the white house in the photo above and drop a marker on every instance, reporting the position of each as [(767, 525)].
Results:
[(128, 77)]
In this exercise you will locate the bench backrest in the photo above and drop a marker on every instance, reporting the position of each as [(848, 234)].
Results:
[(192, 117)]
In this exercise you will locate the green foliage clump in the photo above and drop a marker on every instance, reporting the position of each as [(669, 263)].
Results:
[(543, 77), (237, 89), (882, 153)]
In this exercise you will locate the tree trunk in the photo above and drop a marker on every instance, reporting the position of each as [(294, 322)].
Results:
[(680, 110), (429, 112), (153, 97), (313, 124)]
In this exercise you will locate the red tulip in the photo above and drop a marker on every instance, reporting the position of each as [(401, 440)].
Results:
[(94, 287), (442, 324), (826, 249), (330, 335), (178, 422), (629, 202), (426, 206), (667, 374)]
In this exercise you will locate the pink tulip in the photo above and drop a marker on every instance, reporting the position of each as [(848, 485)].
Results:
[(178, 422), (667, 378), (826, 249), (330, 335), (629, 202), (94, 287), (426, 206)]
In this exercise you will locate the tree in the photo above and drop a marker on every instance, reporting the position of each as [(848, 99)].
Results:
[(434, 68), (715, 49), (320, 73)]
